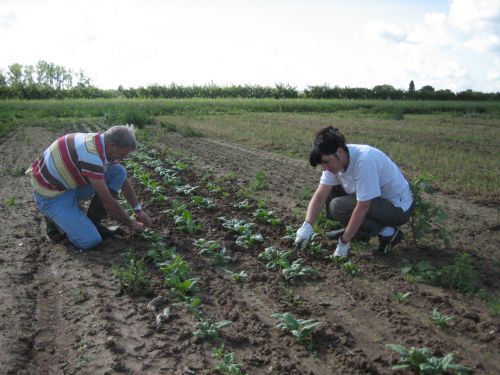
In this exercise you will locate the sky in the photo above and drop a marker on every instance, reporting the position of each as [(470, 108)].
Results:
[(453, 44)]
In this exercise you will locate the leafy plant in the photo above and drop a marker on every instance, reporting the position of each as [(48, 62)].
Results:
[(241, 277), (132, 277), (296, 270), (243, 205), (315, 245), (202, 202), (461, 275), (159, 253), (207, 330), (249, 240), (275, 258), (150, 235), (185, 189), (421, 361), (266, 216), (351, 268), (260, 181), (290, 234), (338, 261), (440, 319), (214, 188), (299, 328), (177, 208), (11, 201), (402, 297), (186, 223), (228, 365), (427, 219)]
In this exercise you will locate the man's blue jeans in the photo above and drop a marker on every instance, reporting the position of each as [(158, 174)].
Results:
[(64, 211)]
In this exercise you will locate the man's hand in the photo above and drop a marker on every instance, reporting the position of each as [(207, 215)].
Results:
[(136, 225), (303, 236), (342, 249), (143, 218)]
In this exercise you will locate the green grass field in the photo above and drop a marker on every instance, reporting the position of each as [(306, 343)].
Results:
[(456, 142)]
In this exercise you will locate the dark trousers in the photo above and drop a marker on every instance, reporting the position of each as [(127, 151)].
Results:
[(382, 213)]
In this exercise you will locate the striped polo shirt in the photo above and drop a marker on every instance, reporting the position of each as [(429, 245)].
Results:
[(68, 163)]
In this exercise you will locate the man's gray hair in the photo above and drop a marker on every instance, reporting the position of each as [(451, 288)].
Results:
[(123, 136)]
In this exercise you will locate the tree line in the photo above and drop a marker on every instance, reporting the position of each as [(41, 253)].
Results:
[(47, 80)]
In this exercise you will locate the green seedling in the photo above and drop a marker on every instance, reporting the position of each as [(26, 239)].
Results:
[(186, 223), (176, 267), (249, 240), (132, 277), (214, 188), (218, 352), (182, 288), (213, 250), (177, 208), (159, 253), (236, 225), (202, 202), (275, 258), (185, 189), (290, 234), (402, 297), (260, 182), (228, 365), (207, 330), (266, 216), (179, 166), (299, 328), (338, 262), (441, 320), (351, 269), (243, 205), (420, 361), (150, 235), (315, 246), (427, 219), (296, 270), (241, 277), (11, 201)]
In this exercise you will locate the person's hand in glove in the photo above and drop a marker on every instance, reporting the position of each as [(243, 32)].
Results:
[(342, 249), (303, 236)]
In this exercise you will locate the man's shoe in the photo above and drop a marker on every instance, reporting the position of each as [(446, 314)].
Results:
[(386, 243), (360, 236), (53, 232), (106, 232)]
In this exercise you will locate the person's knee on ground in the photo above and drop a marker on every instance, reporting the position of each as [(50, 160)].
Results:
[(88, 242)]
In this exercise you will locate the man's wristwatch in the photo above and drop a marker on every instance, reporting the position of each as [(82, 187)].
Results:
[(138, 207)]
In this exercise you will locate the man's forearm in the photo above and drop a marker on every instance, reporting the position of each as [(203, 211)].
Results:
[(128, 192), (357, 218)]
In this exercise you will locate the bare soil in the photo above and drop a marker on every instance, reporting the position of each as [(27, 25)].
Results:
[(62, 311)]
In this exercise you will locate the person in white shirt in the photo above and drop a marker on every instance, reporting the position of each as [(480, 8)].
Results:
[(363, 189)]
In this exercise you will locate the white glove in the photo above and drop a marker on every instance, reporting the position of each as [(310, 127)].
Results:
[(342, 249), (303, 236)]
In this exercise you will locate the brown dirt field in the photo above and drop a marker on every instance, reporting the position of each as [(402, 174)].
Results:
[(62, 311)]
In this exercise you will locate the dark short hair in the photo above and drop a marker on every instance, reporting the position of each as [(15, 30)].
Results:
[(327, 141)]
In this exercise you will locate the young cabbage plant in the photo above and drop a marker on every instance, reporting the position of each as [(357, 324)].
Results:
[(419, 360), (441, 320), (299, 328), (186, 223), (290, 234), (207, 330), (185, 189), (228, 365), (202, 202), (296, 270), (243, 205), (275, 258), (402, 297), (351, 269), (249, 240), (266, 216)]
